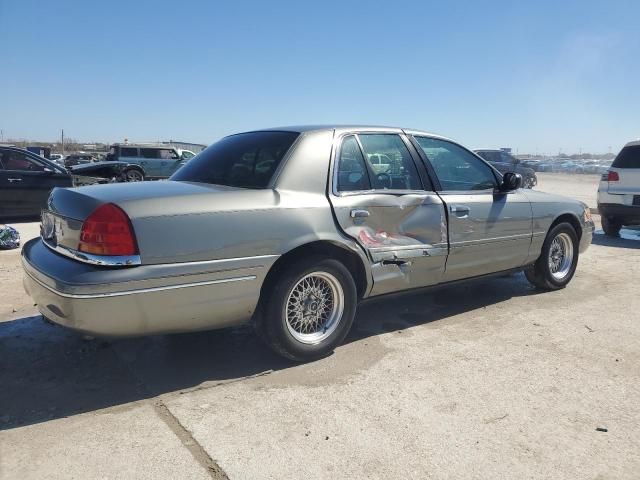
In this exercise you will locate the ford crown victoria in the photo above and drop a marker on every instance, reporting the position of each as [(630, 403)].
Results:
[(291, 228)]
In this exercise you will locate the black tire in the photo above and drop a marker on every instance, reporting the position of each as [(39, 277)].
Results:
[(271, 322), (133, 175), (610, 226), (539, 274)]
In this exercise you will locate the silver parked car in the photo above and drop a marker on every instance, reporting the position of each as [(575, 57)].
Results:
[(291, 228)]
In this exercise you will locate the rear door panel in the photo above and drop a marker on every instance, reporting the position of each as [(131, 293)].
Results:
[(404, 235), (404, 232)]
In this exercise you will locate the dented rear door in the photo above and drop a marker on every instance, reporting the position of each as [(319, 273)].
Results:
[(383, 200)]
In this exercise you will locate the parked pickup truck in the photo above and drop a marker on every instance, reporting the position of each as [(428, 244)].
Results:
[(291, 228)]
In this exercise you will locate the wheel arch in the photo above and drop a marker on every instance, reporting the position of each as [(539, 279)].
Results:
[(570, 218), (133, 166), (353, 261)]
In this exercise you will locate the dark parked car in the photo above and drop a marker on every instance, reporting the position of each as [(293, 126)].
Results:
[(106, 172), (505, 162), (26, 180)]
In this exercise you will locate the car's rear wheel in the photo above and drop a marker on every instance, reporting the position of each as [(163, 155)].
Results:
[(610, 226), (309, 309), (558, 260), (133, 175)]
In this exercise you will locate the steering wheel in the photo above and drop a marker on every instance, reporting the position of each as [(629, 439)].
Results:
[(384, 179)]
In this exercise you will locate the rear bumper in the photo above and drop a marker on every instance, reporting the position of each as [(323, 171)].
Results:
[(142, 300), (625, 214)]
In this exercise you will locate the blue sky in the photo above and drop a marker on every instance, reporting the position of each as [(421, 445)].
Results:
[(536, 76)]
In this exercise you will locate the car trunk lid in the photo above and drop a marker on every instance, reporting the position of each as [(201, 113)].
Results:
[(67, 209)]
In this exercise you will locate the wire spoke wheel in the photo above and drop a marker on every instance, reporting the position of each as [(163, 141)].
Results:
[(314, 307), (561, 256)]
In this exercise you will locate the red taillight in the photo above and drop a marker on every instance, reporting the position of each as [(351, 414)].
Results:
[(108, 231), (613, 176)]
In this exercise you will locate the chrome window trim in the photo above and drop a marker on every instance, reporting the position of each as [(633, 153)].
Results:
[(103, 260), (337, 148), (140, 290)]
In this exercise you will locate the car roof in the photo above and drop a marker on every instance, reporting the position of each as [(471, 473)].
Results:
[(633, 143), (346, 128)]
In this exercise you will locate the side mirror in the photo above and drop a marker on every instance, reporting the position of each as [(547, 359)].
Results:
[(511, 181)]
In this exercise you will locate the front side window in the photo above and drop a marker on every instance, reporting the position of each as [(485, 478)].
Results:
[(246, 160), (19, 161), (456, 168), (489, 156), (390, 162), (508, 158), (168, 154), (150, 153)]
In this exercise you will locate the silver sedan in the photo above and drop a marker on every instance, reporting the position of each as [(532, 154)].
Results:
[(290, 229)]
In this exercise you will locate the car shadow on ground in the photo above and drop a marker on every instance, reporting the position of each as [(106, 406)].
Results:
[(48, 372), (629, 238)]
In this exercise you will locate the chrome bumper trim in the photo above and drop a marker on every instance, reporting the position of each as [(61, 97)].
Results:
[(140, 290), (103, 260)]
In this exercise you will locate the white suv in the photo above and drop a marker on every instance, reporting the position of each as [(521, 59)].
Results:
[(619, 191)]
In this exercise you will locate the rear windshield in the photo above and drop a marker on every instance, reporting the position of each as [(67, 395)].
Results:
[(629, 157), (246, 160)]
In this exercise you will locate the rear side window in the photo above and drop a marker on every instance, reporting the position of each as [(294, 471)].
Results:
[(128, 152), (629, 157), (390, 162), (246, 160), (352, 171)]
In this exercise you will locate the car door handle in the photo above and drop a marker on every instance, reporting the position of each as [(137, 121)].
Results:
[(13, 180), (459, 209), (359, 213)]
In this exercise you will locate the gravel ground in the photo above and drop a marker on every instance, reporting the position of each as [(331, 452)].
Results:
[(490, 379), (581, 187)]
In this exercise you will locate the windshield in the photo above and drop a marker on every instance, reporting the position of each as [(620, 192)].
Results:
[(246, 160)]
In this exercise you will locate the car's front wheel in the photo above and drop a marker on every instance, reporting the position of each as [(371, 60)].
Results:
[(309, 309), (557, 263), (610, 226)]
